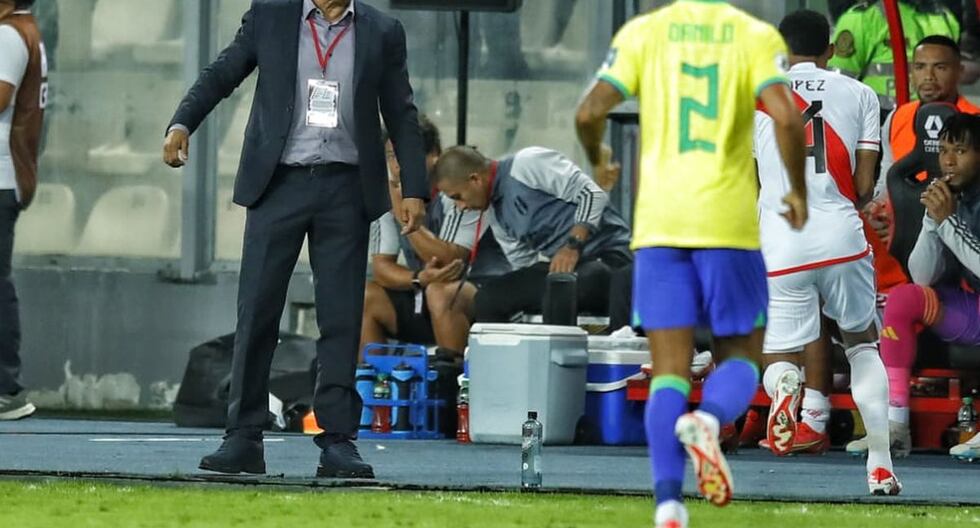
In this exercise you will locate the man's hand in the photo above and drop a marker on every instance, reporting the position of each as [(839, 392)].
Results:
[(877, 216), (564, 261), (797, 213), (412, 214), (434, 274), (606, 173), (175, 148), (939, 201)]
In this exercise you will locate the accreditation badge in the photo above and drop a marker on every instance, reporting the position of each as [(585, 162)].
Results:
[(323, 103)]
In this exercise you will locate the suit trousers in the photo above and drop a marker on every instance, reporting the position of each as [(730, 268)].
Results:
[(9, 312), (323, 203)]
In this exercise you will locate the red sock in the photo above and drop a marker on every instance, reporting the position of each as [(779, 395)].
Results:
[(909, 309)]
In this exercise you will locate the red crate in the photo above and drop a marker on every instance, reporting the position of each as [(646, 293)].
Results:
[(930, 415)]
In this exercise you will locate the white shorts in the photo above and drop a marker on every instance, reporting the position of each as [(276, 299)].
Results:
[(846, 290)]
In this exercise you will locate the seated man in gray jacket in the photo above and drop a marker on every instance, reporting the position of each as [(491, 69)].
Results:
[(945, 266), (548, 216)]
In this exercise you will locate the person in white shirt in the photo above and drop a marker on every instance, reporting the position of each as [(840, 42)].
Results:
[(827, 265), (23, 88)]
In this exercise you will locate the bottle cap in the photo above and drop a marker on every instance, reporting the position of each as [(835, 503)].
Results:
[(968, 400), (402, 372), (532, 415)]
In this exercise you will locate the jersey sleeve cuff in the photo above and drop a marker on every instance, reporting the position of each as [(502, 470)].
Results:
[(863, 144), (616, 84), (769, 82)]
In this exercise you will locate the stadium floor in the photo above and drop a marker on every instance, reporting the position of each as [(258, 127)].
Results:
[(163, 453)]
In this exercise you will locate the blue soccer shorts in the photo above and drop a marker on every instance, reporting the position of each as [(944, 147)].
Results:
[(724, 289)]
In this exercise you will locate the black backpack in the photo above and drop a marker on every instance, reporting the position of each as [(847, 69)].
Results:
[(202, 400)]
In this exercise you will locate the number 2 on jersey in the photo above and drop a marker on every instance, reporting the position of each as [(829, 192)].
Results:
[(707, 110)]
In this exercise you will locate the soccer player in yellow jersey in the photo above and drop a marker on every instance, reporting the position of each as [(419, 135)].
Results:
[(698, 69)]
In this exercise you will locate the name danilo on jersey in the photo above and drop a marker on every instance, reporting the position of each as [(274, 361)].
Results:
[(701, 34)]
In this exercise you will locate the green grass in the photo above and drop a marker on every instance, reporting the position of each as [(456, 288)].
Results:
[(82, 504)]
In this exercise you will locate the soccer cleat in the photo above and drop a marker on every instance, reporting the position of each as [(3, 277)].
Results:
[(781, 427), (901, 442), (858, 448), (883, 482), (753, 428), (671, 514), (809, 441), (967, 451), (806, 442), (710, 467), (728, 438)]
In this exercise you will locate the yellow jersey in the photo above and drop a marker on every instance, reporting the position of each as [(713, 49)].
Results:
[(697, 68)]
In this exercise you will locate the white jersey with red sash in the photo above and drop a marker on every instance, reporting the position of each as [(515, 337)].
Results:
[(840, 116)]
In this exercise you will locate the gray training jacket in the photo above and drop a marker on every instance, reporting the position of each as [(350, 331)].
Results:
[(950, 249), (538, 195)]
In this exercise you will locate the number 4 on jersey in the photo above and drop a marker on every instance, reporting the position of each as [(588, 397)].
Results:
[(813, 123)]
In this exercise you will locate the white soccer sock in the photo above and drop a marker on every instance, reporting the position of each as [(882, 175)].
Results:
[(869, 387), (816, 410), (772, 374), (898, 414), (670, 510)]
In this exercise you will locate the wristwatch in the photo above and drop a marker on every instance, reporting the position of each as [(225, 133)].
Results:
[(575, 243), (416, 283)]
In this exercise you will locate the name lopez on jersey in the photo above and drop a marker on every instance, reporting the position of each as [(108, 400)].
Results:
[(808, 85)]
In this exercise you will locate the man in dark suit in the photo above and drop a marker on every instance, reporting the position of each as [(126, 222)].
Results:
[(312, 164)]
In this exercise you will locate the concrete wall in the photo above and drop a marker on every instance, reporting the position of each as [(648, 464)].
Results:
[(126, 333)]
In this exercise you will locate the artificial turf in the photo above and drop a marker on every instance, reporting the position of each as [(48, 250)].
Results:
[(76, 504)]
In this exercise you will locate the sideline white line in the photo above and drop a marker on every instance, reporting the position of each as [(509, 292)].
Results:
[(167, 439)]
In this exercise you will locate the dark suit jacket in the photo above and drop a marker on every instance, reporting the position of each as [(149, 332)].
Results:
[(268, 40)]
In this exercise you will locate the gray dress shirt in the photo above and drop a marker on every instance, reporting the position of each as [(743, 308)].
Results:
[(315, 145)]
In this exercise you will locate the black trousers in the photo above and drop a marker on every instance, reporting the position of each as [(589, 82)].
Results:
[(326, 204), (9, 312), (523, 290), (621, 298)]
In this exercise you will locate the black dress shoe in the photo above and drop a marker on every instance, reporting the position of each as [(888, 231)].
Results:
[(237, 454), (341, 460)]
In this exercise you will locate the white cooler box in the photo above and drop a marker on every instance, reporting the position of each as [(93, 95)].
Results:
[(516, 368)]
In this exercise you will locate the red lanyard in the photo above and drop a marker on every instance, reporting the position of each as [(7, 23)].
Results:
[(479, 222), (476, 239), (324, 58)]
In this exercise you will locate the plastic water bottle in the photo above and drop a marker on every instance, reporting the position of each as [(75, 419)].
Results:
[(966, 420), (463, 410), (364, 384), (531, 434), (381, 422), (402, 376)]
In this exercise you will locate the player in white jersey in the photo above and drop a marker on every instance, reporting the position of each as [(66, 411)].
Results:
[(828, 264)]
